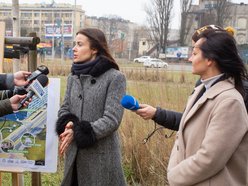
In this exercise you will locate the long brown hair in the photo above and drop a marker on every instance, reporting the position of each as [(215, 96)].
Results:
[(221, 48), (98, 41)]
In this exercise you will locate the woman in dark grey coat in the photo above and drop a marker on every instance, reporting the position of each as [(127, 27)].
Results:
[(91, 114)]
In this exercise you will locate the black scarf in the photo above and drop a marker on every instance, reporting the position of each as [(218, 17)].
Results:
[(83, 67), (94, 68)]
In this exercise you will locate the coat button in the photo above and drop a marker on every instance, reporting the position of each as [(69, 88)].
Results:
[(93, 81)]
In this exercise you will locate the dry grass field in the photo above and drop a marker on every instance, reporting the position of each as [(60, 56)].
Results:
[(144, 164)]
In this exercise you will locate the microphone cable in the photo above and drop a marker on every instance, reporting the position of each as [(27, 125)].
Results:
[(145, 140)]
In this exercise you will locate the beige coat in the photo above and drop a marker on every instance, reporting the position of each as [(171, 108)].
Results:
[(211, 147)]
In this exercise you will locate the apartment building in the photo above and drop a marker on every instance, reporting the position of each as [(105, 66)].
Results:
[(205, 13), (51, 22)]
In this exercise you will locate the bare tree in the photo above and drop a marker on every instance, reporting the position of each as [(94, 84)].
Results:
[(108, 25), (217, 13), (222, 11), (116, 30), (158, 16), (185, 26)]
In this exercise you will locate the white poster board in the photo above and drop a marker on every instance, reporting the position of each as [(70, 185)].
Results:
[(28, 141), (54, 30), (177, 52)]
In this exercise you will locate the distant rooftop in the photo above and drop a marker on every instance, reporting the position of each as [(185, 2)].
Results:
[(43, 5)]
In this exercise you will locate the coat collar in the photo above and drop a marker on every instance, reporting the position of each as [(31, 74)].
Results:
[(211, 93)]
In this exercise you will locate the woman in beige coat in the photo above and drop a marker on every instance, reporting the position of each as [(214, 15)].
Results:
[(211, 146)]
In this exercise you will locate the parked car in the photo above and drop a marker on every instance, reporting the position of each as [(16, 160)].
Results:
[(141, 59), (155, 63)]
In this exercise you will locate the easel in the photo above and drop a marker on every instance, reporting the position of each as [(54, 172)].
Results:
[(31, 42), (2, 33)]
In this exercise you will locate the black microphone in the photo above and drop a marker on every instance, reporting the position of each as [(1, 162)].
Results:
[(40, 70), (35, 88), (21, 90)]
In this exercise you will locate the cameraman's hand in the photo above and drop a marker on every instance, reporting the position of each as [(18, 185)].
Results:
[(16, 99), (146, 111), (20, 78)]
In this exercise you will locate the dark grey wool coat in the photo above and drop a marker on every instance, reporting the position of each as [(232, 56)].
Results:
[(93, 104)]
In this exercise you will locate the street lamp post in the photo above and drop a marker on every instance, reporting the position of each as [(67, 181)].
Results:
[(53, 35), (74, 20), (62, 41)]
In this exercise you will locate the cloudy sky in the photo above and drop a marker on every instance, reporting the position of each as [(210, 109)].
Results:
[(132, 10)]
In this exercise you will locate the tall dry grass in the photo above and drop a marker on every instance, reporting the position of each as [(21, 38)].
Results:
[(144, 164), (147, 163)]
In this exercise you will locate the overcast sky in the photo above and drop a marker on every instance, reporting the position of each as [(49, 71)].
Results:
[(132, 10)]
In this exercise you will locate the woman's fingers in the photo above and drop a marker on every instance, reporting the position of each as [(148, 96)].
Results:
[(65, 138), (63, 147)]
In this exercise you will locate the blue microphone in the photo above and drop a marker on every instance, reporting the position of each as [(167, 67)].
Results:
[(129, 102)]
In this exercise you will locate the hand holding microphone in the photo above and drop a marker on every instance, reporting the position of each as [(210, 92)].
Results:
[(20, 78), (25, 78), (143, 110), (15, 101), (35, 88), (146, 111)]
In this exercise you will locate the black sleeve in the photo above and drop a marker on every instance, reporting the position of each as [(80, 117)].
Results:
[(5, 107), (168, 119), (7, 82), (3, 78), (4, 94), (84, 134), (63, 120)]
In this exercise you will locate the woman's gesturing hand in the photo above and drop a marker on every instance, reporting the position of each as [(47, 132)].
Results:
[(66, 138)]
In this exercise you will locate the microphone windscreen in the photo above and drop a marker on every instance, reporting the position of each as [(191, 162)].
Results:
[(43, 80), (43, 69), (129, 102)]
